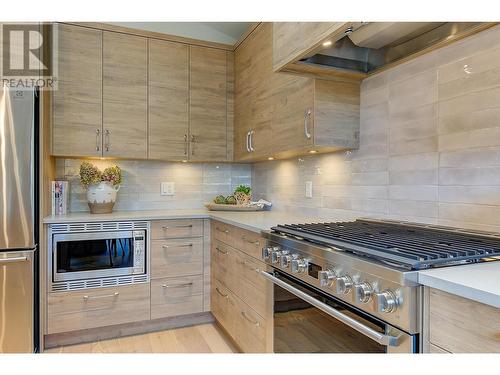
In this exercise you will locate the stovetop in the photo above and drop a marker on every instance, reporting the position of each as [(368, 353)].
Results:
[(405, 245)]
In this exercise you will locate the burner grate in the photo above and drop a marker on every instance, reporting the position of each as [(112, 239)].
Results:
[(409, 246)]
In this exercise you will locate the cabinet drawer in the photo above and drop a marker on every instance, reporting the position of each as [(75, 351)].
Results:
[(224, 306), (251, 330), (176, 296), (223, 262), (70, 311), (176, 257), (161, 229), (252, 287), (224, 232), (250, 243)]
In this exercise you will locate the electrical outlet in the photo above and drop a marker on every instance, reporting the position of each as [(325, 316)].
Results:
[(309, 189), (167, 188)]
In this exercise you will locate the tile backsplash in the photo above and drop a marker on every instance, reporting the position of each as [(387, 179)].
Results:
[(429, 146), (195, 184)]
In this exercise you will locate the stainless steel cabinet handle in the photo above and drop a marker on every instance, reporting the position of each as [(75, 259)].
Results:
[(177, 226), (254, 322), (221, 251), (185, 144), (174, 246), (221, 230), (250, 266), (176, 285), (347, 320), (307, 118), (250, 241), (248, 136), (13, 260), (222, 294), (193, 140), (87, 298), (250, 141), (97, 139), (106, 139)]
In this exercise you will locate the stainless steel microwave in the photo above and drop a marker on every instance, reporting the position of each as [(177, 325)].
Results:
[(94, 255)]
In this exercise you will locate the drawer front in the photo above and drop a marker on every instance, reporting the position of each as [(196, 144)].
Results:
[(224, 232), (250, 243), (69, 311), (161, 229), (452, 329), (223, 261), (176, 296), (253, 288), (224, 306), (176, 257), (251, 330)]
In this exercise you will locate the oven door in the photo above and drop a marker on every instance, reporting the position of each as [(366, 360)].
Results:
[(79, 256), (308, 321)]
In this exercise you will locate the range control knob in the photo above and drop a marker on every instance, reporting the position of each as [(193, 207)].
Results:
[(326, 277), (299, 265), (276, 255), (285, 260), (385, 301), (344, 284), (266, 252), (363, 292)]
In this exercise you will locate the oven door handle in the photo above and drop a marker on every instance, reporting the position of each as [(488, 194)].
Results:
[(347, 320)]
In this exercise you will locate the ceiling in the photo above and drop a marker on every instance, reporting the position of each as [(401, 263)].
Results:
[(221, 32)]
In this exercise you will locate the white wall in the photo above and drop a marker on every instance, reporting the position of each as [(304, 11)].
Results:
[(430, 145)]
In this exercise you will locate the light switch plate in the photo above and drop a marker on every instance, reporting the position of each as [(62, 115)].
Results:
[(167, 188), (309, 189)]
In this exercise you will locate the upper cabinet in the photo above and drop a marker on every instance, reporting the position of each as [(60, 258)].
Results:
[(168, 100), (77, 118), (133, 97), (207, 104), (280, 115), (125, 91)]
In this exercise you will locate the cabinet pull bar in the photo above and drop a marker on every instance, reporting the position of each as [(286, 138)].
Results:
[(193, 140), (174, 246), (177, 285), (220, 251), (222, 294), (185, 144), (97, 139), (250, 241), (221, 230), (88, 298), (106, 139), (307, 117), (255, 323), (250, 266), (250, 141), (177, 226)]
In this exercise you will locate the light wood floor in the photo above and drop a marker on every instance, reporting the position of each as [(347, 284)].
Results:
[(204, 338)]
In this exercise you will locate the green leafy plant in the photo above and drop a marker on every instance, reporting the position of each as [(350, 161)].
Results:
[(243, 189), (220, 199), (230, 199), (90, 174)]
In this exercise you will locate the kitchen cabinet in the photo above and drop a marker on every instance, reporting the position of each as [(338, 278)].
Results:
[(207, 104), (278, 115), (168, 100), (459, 325), (77, 108), (125, 90), (241, 297)]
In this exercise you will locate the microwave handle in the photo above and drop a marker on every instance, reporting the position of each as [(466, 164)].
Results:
[(347, 320)]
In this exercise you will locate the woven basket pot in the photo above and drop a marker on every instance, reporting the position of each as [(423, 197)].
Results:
[(242, 199)]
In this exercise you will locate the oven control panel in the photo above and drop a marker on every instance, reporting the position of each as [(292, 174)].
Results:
[(348, 281)]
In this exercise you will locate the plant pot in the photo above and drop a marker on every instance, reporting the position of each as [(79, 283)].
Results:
[(242, 198), (101, 197)]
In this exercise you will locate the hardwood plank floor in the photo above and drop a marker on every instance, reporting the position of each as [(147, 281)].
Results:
[(204, 338)]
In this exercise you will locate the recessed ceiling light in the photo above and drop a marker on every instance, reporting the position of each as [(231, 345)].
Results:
[(328, 43), (270, 158), (184, 161), (313, 151)]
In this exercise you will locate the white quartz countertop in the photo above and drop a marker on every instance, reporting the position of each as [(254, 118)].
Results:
[(253, 221), (478, 282)]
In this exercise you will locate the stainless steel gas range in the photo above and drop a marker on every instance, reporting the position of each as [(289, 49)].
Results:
[(352, 286)]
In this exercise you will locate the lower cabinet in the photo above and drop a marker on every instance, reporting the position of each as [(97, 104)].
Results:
[(241, 298), (91, 308)]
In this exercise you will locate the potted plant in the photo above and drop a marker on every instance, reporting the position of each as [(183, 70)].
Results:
[(102, 187), (243, 194)]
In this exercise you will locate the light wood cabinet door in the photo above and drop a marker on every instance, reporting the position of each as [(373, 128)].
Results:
[(77, 103), (125, 87), (207, 100), (168, 100)]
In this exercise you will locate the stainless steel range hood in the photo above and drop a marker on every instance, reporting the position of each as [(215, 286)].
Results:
[(368, 47)]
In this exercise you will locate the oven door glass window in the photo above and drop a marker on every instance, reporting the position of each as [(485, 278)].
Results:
[(300, 327), (94, 254)]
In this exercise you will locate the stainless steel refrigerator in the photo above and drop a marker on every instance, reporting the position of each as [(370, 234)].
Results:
[(18, 220)]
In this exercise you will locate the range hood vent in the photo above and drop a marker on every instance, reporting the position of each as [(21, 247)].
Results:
[(367, 47)]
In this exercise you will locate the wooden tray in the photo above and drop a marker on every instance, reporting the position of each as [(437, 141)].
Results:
[(231, 207)]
